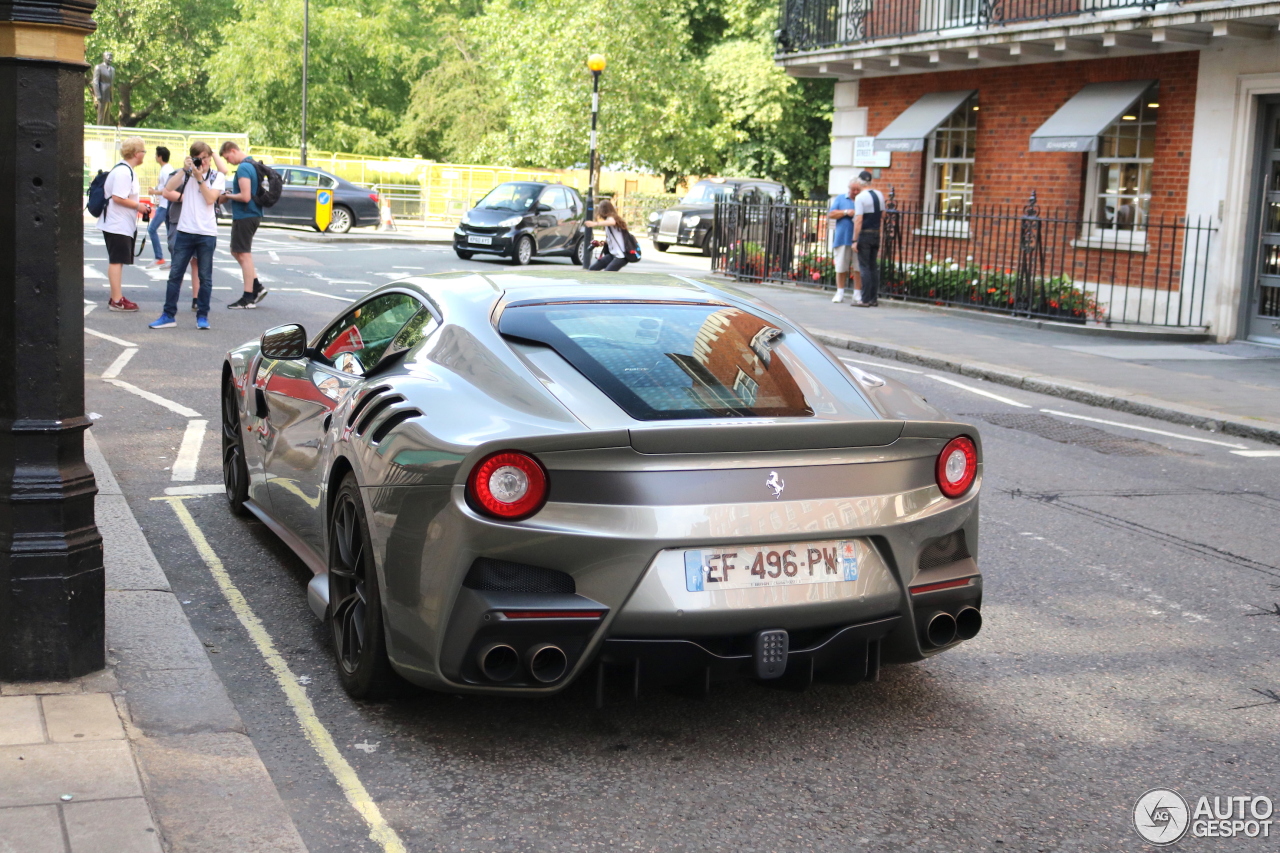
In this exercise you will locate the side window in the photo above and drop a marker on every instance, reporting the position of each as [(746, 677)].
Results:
[(766, 194), (299, 178), (327, 182), (553, 197), (367, 330), (286, 176)]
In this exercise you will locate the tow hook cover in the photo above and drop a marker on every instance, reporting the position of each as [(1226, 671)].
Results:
[(771, 653)]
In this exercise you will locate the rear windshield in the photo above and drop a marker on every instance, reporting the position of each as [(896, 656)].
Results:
[(664, 361)]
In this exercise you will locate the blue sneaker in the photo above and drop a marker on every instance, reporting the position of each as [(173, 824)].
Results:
[(164, 321), (202, 323)]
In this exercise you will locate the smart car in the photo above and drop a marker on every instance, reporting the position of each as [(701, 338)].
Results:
[(523, 219)]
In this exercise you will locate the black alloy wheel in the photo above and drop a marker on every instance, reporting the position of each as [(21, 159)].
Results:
[(355, 604), (235, 472), (463, 254), (341, 220), (522, 252)]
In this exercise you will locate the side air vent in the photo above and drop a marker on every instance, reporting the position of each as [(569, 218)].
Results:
[(376, 409), (951, 548), (365, 401), (490, 575), (384, 429)]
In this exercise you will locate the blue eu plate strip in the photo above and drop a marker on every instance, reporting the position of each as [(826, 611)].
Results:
[(693, 573), (849, 559)]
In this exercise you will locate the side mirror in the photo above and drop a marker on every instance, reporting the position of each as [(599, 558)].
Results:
[(284, 342), (541, 208)]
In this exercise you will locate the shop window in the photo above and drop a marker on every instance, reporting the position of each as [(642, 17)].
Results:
[(1118, 202), (951, 150)]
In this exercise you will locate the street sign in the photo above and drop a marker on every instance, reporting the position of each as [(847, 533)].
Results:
[(866, 157), (324, 208)]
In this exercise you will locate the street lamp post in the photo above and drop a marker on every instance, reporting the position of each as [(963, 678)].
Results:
[(52, 587), (595, 62), (306, 48)]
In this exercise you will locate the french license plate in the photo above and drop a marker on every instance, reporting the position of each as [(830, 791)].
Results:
[(747, 566), (480, 241)]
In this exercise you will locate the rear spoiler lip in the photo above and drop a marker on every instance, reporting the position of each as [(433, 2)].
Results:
[(758, 436)]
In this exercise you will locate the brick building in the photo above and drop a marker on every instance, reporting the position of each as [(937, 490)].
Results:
[(1150, 133)]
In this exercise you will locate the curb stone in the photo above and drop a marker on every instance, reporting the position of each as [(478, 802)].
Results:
[(1093, 395)]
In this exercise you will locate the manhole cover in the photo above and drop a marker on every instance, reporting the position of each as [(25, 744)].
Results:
[(1065, 432)]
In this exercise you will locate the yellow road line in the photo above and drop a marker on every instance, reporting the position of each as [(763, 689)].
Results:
[(379, 830)]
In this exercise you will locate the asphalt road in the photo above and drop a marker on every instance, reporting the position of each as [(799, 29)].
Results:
[(1131, 581)]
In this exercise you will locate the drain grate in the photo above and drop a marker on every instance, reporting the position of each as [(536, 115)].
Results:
[(1080, 435)]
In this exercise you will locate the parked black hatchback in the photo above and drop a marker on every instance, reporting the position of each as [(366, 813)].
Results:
[(521, 219), (689, 222)]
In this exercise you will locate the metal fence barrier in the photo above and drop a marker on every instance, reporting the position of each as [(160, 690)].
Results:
[(1025, 263)]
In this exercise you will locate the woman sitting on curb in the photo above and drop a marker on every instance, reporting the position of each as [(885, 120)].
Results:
[(615, 255)]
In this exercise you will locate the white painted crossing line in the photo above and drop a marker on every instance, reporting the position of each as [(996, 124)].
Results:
[(1143, 429), (89, 307), (184, 467), (275, 257), (176, 408), (216, 489), (407, 268), (979, 391), (1258, 454), (90, 272), (107, 337), (349, 281), (118, 365), (314, 293), (882, 366)]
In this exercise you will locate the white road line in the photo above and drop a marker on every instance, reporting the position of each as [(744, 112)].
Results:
[(107, 337), (196, 490), (118, 365), (314, 293), (349, 281), (89, 308), (380, 832), (407, 268), (390, 274), (973, 390), (349, 290), (177, 408), (1257, 454), (184, 467), (882, 366), (275, 257), (1143, 429), (90, 272)]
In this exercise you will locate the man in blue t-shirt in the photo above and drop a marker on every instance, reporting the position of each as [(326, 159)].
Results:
[(841, 213), (246, 214)]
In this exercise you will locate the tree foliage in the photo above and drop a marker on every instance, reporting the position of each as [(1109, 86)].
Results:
[(690, 86)]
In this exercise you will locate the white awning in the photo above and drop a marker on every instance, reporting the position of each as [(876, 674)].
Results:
[(909, 130), (1078, 123)]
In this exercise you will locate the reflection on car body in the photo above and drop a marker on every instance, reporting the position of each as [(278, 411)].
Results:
[(504, 482)]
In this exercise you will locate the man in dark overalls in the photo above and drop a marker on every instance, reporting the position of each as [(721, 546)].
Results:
[(868, 209)]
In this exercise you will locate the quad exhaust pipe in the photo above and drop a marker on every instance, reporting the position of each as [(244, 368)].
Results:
[(547, 663), (968, 623), (940, 629), (499, 662)]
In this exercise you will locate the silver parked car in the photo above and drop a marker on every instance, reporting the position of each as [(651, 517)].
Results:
[(505, 481)]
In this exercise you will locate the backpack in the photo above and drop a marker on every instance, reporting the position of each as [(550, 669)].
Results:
[(631, 246), (270, 184), (98, 201), (174, 211)]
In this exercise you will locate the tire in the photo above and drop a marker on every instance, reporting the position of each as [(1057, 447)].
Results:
[(579, 253), (235, 471), (661, 247), (342, 220), (522, 251), (463, 254), (355, 601), (707, 246)]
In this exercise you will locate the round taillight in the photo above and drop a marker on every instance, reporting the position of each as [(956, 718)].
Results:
[(509, 485), (957, 466)]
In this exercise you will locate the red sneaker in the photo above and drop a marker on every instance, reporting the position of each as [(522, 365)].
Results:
[(122, 305), (159, 263)]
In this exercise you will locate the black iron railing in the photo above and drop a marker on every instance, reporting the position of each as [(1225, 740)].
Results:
[(813, 24), (1021, 262)]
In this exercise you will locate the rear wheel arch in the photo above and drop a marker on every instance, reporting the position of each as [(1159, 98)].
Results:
[(341, 468)]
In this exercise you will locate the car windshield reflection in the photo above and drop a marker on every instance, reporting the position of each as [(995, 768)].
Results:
[(514, 197), (708, 194)]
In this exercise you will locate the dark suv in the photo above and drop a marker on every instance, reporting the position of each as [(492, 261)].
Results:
[(689, 222), (520, 219)]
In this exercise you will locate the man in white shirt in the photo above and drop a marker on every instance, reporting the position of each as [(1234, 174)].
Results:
[(868, 210), (119, 221), (197, 185), (162, 205)]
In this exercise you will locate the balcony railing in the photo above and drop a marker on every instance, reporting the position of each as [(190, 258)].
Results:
[(815, 24), (1024, 262)]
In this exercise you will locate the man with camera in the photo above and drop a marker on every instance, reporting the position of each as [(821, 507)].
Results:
[(196, 187)]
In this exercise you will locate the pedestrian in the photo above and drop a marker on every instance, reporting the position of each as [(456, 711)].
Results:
[(119, 220), (197, 185), (246, 215), (161, 214), (616, 253), (841, 213), (868, 209)]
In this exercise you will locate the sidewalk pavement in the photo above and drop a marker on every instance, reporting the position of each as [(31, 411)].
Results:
[(147, 755), (1232, 388)]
